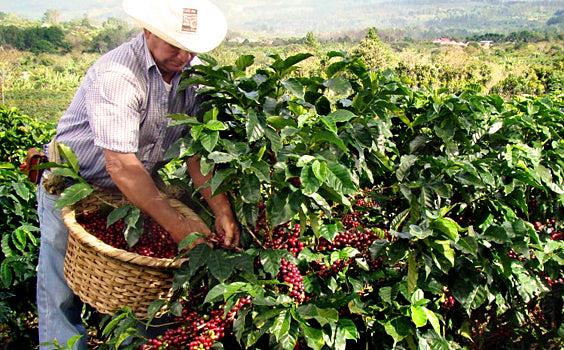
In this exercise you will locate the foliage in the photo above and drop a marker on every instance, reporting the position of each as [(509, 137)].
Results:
[(20, 248), (374, 52), (462, 195), (20, 229), (114, 32), (35, 39), (18, 133)]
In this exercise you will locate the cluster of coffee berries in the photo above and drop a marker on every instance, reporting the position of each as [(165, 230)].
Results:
[(449, 300), (197, 332), (324, 270), (155, 241), (513, 255), (552, 282), (550, 228), (360, 239), (96, 224), (359, 230), (285, 237), (290, 273)]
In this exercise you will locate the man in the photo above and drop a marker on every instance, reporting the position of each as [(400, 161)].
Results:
[(117, 126)]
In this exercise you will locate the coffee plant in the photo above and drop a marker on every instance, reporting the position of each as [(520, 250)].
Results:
[(20, 132), (19, 227), (374, 215)]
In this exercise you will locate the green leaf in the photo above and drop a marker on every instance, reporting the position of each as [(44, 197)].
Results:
[(198, 256), (281, 324), (322, 315), (221, 178), (270, 260), (295, 87), (288, 340), (113, 323), (313, 336), (72, 341), (250, 188), (134, 226), (221, 157), (155, 307), (433, 319), (189, 240), (329, 231), (219, 265), (418, 316), (349, 328), (295, 59), (255, 127), (116, 214), (447, 226), (407, 161), (319, 170), (339, 179), (244, 61), (67, 172), (22, 190), (68, 155), (322, 203), (412, 272), (215, 125), (261, 170), (444, 253), (6, 273), (328, 136), (340, 85), (309, 181), (209, 140), (283, 206), (216, 293), (71, 195), (398, 328)]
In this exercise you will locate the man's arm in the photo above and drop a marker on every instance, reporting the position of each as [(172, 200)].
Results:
[(135, 182), (225, 222)]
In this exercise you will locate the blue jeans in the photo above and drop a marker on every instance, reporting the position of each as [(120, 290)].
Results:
[(59, 309)]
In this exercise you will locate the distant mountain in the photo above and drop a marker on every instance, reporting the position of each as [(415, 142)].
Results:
[(297, 17)]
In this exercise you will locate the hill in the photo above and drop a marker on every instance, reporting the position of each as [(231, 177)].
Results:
[(297, 17)]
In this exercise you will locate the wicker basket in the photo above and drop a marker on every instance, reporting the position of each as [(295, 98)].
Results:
[(108, 278)]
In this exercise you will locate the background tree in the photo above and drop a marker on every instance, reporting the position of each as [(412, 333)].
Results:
[(114, 32), (50, 16), (374, 52), (311, 42)]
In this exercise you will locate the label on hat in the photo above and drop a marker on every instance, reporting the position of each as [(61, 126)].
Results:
[(189, 20)]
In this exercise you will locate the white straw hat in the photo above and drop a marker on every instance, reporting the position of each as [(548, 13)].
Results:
[(193, 25)]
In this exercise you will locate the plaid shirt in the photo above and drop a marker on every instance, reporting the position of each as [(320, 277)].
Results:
[(121, 106)]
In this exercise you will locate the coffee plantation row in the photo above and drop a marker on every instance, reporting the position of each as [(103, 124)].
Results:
[(375, 215)]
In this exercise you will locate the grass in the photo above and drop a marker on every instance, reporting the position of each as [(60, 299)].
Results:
[(42, 105)]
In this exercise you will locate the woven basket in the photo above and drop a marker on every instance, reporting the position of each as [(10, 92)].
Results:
[(109, 278)]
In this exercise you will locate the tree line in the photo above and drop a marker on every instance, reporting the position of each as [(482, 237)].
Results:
[(83, 35)]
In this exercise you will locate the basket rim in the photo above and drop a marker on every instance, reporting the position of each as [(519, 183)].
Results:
[(88, 239)]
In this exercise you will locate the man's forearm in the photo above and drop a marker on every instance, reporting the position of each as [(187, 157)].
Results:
[(135, 182)]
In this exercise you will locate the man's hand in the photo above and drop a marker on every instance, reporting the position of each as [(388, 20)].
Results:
[(188, 226), (227, 227)]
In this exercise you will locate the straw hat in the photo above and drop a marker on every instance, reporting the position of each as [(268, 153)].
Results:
[(194, 25)]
